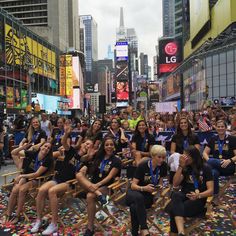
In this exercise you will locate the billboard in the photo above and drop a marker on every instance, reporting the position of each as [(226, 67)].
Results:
[(22, 50), (122, 90), (122, 51), (170, 54), (122, 71), (62, 75), (199, 16), (154, 91)]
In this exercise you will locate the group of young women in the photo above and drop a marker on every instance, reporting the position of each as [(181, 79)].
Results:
[(91, 159)]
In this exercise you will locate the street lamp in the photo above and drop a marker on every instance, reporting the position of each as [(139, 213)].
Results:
[(30, 73)]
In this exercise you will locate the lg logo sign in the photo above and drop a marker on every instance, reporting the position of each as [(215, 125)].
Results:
[(171, 50)]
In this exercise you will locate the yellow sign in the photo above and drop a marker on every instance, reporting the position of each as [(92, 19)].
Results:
[(62, 75), (69, 80), (23, 50)]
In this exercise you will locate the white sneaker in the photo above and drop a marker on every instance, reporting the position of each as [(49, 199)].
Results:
[(36, 226), (52, 228)]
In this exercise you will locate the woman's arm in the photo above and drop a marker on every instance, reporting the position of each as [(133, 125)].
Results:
[(65, 137), (112, 174), (18, 151), (37, 146), (148, 188), (36, 174), (206, 153), (178, 177), (172, 147), (198, 146)]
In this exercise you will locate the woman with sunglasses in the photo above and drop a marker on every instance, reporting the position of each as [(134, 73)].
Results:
[(141, 142), (105, 169), (196, 182), (149, 174)]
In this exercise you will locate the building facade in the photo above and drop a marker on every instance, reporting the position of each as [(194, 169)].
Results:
[(91, 47), (28, 63), (208, 72), (56, 21)]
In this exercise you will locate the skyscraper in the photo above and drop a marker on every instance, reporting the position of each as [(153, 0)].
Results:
[(56, 21), (168, 17), (172, 18), (143, 64), (91, 47), (129, 35)]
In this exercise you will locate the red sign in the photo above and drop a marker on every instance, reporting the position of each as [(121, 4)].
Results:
[(171, 48)]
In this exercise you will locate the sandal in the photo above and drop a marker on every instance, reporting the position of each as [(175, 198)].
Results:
[(15, 219)]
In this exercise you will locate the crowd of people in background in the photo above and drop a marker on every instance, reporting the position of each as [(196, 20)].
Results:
[(87, 150)]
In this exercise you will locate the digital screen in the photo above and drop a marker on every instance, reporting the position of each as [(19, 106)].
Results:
[(122, 104), (122, 90), (122, 51), (170, 54)]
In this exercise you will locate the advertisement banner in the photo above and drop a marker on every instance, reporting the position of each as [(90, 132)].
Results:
[(17, 98), (122, 90), (122, 51), (170, 54), (10, 97), (62, 75), (69, 81), (23, 98), (22, 50)]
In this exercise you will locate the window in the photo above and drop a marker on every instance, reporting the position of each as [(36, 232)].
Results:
[(223, 92), (215, 71), (223, 58), (222, 80), (230, 56), (230, 92), (215, 60), (230, 67), (222, 69), (216, 91)]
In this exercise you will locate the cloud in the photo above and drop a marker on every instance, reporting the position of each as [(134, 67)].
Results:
[(144, 16)]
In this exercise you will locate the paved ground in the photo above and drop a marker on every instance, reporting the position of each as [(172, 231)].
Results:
[(6, 169)]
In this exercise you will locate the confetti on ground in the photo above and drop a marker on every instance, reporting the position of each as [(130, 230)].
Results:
[(221, 222)]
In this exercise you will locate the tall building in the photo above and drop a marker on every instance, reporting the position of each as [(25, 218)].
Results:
[(168, 17), (178, 21), (172, 18), (91, 47), (56, 21), (143, 64), (110, 53)]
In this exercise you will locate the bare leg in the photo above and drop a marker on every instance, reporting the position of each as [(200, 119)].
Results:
[(42, 194), (85, 183), (179, 220), (91, 206), (52, 194), (12, 199), (18, 161), (22, 193)]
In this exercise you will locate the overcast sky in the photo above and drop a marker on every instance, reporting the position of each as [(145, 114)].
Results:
[(144, 16)]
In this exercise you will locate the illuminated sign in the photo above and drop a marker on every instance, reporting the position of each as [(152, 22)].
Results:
[(23, 50), (170, 54), (122, 90), (122, 51)]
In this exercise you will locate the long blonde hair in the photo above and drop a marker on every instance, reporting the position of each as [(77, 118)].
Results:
[(31, 129)]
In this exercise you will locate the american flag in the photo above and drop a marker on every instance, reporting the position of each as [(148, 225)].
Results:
[(203, 126)]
